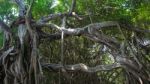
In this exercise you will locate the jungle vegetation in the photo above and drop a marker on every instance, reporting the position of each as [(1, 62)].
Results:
[(75, 41)]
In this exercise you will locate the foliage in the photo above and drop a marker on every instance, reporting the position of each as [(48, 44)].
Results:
[(91, 47)]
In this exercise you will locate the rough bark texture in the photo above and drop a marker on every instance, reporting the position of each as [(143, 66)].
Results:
[(19, 57)]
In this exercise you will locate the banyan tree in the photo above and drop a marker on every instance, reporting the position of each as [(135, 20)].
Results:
[(67, 48)]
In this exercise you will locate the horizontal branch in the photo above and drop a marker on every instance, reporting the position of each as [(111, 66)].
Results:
[(70, 13), (75, 31), (81, 67), (100, 25), (89, 31), (88, 28), (133, 28)]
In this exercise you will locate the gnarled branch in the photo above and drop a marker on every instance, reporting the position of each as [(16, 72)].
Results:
[(81, 67)]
